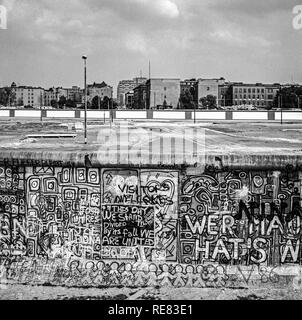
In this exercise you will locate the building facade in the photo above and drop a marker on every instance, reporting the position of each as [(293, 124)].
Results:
[(163, 93), (258, 94), (207, 87), (27, 96), (125, 86), (100, 90), (140, 97)]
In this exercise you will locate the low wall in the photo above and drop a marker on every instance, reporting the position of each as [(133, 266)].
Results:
[(77, 226), (154, 115)]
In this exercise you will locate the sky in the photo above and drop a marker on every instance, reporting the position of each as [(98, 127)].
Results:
[(240, 40)]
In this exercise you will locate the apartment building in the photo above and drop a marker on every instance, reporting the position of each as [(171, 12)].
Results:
[(101, 90), (124, 86), (27, 95)]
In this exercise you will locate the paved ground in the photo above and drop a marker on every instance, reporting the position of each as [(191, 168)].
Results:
[(20, 292), (220, 138)]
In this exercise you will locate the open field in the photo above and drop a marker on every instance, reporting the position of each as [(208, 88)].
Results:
[(220, 138)]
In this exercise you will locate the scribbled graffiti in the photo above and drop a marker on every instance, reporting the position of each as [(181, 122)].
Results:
[(150, 199), (241, 218), (145, 227), (63, 212)]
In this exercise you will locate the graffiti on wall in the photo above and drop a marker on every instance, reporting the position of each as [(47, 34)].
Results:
[(241, 217), (152, 216), (142, 208)]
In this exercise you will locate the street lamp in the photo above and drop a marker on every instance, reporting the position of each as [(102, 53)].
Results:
[(85, 97)]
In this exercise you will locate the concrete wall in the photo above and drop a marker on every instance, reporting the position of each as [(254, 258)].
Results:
[(79, 226), (156, 114)]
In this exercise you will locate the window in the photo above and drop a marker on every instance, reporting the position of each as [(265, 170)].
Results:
[(249, 90), (254, 90), (244, 90), (208, 88)]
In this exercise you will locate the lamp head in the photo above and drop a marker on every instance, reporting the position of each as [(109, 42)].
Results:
[(84, 57)]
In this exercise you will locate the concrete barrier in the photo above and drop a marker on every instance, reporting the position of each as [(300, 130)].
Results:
[(98, 225), (27, 113), (98, 115), (185, 115), (60, 114), (131, 115), (169, 115)]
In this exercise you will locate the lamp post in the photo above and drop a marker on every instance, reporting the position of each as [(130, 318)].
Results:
[(281, 108), (85, 98)]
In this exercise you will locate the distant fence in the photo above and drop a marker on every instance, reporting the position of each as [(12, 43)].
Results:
[(154, 114)]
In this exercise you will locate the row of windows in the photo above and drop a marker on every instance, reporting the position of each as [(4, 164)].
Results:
[(240, 96), (258, 103), (249, 96), (252, 90)]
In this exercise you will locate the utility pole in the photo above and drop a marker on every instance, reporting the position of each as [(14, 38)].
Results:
[(85, 98), (154, 100), (280, 105), (41, 102)]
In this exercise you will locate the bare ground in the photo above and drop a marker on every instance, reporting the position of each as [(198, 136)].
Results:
[(26, 292)]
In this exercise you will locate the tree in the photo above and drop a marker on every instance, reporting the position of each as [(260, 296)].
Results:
[(54, 104), (289, 97), (62, 102), (208, 102), (96, 102), (186, 100), (70, 104), (7, 96)]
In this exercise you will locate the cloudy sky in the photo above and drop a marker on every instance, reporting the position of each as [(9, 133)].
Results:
[(250, 41)]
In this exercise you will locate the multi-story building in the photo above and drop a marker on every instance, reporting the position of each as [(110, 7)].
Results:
[(54, 94), (129, 99), (207, 87), (27, 95), (75, 94), (125, 86), (140, 97), (225, 95), (258, 94), (100, 90), (163, 93)]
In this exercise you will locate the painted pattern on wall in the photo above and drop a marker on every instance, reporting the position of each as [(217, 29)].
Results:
[(241, 218), (147, 227)]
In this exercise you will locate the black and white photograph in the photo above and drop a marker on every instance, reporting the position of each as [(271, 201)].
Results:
[(150, 151)]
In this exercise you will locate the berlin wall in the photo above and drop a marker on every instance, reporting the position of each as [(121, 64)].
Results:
[(80, 226)]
